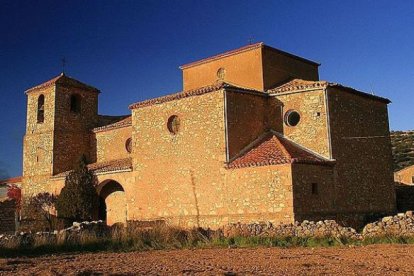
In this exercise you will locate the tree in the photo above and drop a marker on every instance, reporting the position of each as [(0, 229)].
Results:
[(78, 200), (44, 204)]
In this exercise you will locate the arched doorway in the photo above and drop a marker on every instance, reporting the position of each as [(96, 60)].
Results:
[(112, 202)]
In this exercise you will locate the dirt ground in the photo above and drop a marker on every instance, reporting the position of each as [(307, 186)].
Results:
[(372, 260)]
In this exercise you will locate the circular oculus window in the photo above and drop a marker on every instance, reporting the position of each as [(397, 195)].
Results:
[(221, 73), (128, 145), (292, 118), (173, 124)]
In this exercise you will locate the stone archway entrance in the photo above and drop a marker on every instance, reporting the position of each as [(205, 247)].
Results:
[(112, 202)]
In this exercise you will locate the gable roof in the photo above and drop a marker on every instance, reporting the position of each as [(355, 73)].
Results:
[(65, 80), (304, 85), (195, 92), (106, 166), (274, 149), (244, 49), (114, 122)]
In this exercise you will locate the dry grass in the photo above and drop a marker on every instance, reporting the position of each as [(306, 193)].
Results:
[(164, 237)]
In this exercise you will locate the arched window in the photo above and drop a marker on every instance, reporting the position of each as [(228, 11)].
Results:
[(41, 109), (75, 103)]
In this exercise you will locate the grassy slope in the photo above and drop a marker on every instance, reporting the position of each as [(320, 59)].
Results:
[(402, 148)]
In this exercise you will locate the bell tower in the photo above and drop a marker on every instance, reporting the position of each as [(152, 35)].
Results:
[(60, 114)]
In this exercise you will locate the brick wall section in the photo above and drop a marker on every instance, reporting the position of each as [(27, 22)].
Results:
[(405, 175), (364, 165), (312, 130), (7, 216), (249, 112), (110, 145)]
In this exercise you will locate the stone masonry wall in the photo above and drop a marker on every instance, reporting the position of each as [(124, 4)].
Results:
[(72, 130), (110, 145), (249, 112), (312, 130), (182, 178), (405, 175), (261, 194), (179, 176), (38, 143), (362, 147), (318, 201)]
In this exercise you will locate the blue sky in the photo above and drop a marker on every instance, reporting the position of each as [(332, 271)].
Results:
[(131, 50)]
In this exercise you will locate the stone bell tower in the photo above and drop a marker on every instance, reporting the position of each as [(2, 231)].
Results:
[(60, 113)]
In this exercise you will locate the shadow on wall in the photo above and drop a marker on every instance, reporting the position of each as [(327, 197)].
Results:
[(7, 216), (405, 197)]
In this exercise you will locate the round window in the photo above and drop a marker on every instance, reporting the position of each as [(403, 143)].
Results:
[(128, 145), (221, 73), (292, 118), (173, 124)]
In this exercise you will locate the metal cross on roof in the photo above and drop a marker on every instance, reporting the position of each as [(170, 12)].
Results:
[(63, 64)]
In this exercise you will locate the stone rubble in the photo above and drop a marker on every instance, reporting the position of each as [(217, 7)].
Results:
[(399, 225), (326, 228)]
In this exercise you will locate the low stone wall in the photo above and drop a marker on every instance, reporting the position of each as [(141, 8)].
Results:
[(7, 216), (326, 228), (398, 225), (96, 228)]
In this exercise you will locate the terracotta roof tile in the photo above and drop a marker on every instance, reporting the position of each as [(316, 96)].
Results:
[(65, 80), (107, 166), (194, 92), (273, 149), (300, 85), (297, 84), (121, 121)]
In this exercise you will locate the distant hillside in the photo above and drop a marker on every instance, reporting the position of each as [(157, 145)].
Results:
[(402, 148)]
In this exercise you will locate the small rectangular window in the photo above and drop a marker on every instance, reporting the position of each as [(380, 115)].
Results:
[(315, 188)]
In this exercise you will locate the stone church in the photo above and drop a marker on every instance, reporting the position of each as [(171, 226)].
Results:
[(254, 136)]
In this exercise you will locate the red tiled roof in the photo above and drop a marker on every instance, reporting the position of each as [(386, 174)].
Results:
[(63, 79), (195, 92), (273, 149), (121, 121), (107, 166), (299, 85), (12, 180)]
